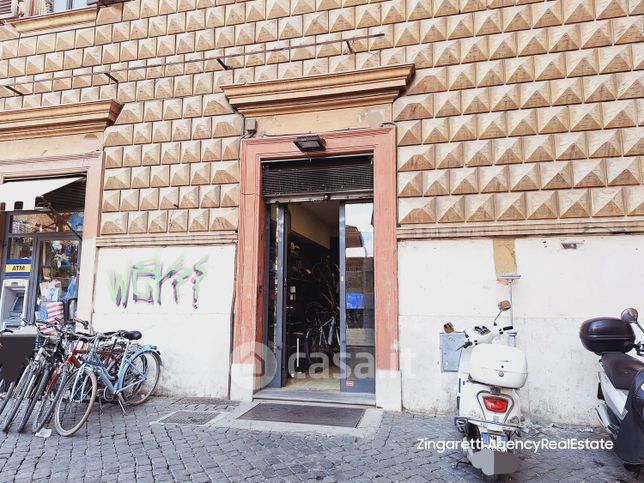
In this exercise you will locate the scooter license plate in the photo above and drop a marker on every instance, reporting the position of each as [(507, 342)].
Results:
[(496, 441)]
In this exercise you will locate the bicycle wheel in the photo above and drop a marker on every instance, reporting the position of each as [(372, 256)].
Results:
[(75, 401), (45, 409), (18, 395), (141, 377), (6, 396), (43, 379)]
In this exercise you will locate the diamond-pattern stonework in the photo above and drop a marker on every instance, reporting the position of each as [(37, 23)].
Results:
[(518, 110)]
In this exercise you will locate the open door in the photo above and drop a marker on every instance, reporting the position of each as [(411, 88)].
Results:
[(278, 224), (357, 314)]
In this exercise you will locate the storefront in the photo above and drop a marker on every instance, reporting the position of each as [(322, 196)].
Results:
[(41, 263)]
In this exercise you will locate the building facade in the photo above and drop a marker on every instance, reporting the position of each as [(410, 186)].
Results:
[(504, 136)]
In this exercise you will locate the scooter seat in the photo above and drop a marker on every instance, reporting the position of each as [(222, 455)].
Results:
[(621, 369)]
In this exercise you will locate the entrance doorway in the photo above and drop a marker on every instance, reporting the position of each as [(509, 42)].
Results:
[(320, 317)]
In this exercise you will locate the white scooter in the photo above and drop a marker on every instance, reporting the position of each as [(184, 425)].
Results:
[(621, 383), (488, 406)]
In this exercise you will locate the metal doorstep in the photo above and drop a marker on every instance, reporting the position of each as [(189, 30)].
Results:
[(334, 397), (305, 414)]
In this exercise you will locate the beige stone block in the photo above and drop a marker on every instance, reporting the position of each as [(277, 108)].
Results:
[(557, 175), (178, 221), (623, 171), (209, 196), (507, 151), (628, 85), (229, 195), (409, 132), (610, 8), (461, 77), (450, 209), (393, 12), (585, 117), (492, 125), (619, 114), (410, 183), (599, 88), (429, 80), (595, 34), (131, 156), (571, 146), (582, 63), (607, 202), (447, 104), (488, 22), (522, 122), (477, 153), (502, 46), (510, 206), (112, 157), (129, 200), (489, 73), (416, 211), (524, 177), (553, 119), (157, 221), (633, 141), (634, 196), (538, 148), (532, 42), (563, 38), (142, 133), (574, 203), (46, 44), (225, 172), (541, 205), (111, 201), (474, 49), (189, 197), (416, 9), (446, 53), (445, 7), (169, 198), (493, 179), (577, 11), (117, 178), (433, 30), (190, 151), (588, 173), (479, 208), (53, 62), (435, 183), (230, 148), (222, 219), (463, 181), (159, 176), (411, 158), (118, 135), (449, 155), (516, 18), (141, 177), (435, 130), (462, 128), (475, 101), (519, 70), (114, 223), (615, 59), (198, 220), (504, 98), (604, 143)]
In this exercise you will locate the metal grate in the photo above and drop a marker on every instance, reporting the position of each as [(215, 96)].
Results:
[(211, 401), (196, 418), (346, 175), (305, 414)]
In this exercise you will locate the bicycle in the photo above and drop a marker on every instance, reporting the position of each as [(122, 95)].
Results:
[(77, 395), (5, 394), (323, 335)]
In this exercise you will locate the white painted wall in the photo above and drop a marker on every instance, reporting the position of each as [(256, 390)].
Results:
[(194, 339), (455, 281)]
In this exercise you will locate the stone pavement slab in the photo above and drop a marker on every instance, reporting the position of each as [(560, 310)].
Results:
[(136, 447)]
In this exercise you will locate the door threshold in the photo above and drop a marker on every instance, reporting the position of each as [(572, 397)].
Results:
[(350, 398)]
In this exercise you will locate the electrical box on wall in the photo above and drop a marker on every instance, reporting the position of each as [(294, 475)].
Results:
[(13, 302)]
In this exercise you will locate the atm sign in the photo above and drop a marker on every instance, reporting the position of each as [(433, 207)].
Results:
[(17, 268)]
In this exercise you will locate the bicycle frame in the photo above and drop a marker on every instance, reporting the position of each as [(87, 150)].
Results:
[(96, 365)]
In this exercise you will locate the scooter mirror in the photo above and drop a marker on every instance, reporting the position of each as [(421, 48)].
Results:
[(630, 315), (504, 305)]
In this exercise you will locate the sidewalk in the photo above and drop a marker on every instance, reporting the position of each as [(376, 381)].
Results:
[(127, 448)]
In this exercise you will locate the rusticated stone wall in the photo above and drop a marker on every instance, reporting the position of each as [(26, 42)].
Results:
[(520, 110)]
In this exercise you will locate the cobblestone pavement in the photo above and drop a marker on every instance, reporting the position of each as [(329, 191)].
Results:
[(114, 447)]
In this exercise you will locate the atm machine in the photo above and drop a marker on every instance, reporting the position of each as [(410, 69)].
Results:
[(13, 302)]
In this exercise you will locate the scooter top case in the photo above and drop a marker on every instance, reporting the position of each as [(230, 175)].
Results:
[(629, 444)]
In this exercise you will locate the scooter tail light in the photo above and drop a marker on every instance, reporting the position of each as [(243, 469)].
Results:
[(495, 404)]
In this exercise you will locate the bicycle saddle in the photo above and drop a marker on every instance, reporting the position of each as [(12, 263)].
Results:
[(131, 335)]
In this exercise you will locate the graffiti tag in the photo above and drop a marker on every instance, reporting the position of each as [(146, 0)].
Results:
[(145, 280)]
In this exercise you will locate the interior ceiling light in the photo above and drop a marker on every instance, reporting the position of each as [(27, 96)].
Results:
[(310, 143)]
